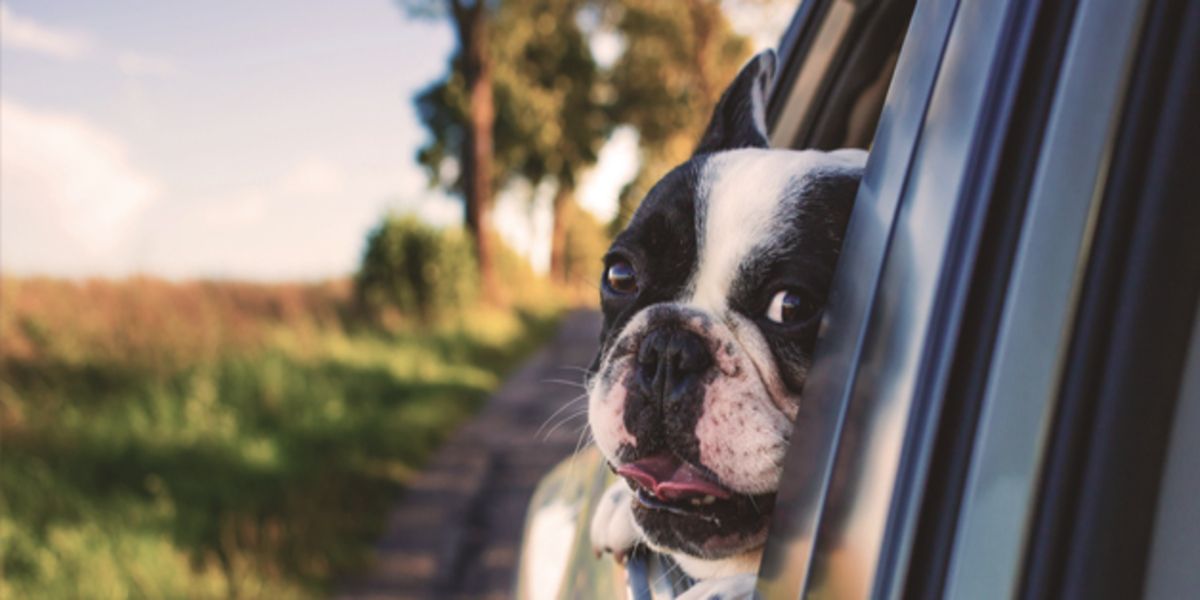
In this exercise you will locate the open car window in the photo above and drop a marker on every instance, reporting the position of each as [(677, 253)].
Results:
[(837, 59)]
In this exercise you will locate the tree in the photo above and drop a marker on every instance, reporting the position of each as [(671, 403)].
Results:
[(471, 20), (678, 57), (549, 121), (553, 99), (553, 107)]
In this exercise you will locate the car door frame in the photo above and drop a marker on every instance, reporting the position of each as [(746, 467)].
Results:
[(891, 376), (1119, 405)]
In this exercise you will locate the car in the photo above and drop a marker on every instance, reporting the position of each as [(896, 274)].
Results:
[(1008, 367)]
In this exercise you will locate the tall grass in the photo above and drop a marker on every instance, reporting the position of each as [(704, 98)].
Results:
[(216, 439)]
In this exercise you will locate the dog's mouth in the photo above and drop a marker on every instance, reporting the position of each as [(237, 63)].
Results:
[(665, 483), (682, 507)]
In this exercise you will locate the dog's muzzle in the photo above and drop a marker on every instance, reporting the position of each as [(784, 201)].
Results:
[(670, 366)]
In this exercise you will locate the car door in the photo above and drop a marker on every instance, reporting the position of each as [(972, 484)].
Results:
[(944, 368)]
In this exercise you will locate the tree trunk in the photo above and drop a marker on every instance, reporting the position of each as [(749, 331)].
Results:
[(563, 196), (473, 33), (701, 48)]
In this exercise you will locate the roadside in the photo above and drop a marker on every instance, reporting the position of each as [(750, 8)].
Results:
[(455, 530)]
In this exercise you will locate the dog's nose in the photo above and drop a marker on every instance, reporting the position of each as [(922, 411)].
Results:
[(670, 360)]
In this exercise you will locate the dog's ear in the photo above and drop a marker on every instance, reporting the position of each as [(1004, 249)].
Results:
[(740, 119)]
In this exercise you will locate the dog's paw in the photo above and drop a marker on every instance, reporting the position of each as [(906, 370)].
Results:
[(735, 587), (612, 524)]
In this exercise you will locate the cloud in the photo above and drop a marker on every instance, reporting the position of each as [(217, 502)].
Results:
[(306, 222), (26, 34), (23, 33), (71, 196), (134, 64), (257, 207), (312, 177)]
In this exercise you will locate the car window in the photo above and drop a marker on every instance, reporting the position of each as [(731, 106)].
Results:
[(835, 73), (837, 59)]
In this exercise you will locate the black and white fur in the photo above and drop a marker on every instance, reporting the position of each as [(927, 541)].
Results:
[(692, 363)]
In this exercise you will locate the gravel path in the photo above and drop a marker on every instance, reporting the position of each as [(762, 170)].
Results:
[(454, 532)]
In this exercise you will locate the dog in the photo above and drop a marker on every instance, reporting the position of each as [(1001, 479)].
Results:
[(712, 299)]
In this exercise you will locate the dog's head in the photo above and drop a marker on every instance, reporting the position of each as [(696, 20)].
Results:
[(712, 297)]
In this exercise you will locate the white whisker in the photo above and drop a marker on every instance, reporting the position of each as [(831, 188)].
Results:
[(580, 444), (574, 384), (557, 412), (564, 421)]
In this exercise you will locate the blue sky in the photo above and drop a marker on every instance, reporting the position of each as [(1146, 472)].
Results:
[(252, 140)]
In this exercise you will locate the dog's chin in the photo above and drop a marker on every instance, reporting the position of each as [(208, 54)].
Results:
[(706, 528)]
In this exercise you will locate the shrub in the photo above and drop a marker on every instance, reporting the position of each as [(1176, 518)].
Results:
[(414, 270)]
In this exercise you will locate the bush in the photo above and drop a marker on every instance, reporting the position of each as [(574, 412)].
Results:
[(415, 271)]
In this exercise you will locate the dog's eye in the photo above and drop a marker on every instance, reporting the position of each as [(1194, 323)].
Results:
[(621, 278), (789, 306)]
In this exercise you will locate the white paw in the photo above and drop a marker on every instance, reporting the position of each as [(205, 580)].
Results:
[(734, 587), (612, 524)]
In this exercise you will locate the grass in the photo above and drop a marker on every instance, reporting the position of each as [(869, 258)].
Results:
[(217, 439)]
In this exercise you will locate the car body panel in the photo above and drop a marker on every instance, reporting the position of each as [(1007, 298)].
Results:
[(1019, 401), (1171, 570), (556, 560)]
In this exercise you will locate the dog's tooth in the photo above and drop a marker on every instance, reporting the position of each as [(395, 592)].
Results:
[(709, 499), (695, 502)]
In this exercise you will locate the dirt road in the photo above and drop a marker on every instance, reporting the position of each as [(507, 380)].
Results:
[(455, 531)]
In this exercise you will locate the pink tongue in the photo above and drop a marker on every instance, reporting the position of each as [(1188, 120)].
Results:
[(669, 478)]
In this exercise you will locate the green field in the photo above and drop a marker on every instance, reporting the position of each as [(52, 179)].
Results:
[(167, 440)]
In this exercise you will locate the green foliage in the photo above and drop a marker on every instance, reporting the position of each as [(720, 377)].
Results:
[(549, 122), (417, 271), (443, 109), (257, 467), (555, 106), (678, 59), (550, 117), (548, 98)]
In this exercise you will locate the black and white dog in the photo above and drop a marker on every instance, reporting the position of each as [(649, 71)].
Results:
[(712, 298)]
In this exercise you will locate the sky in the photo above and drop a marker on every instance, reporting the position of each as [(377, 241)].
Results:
[(224, 139)]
